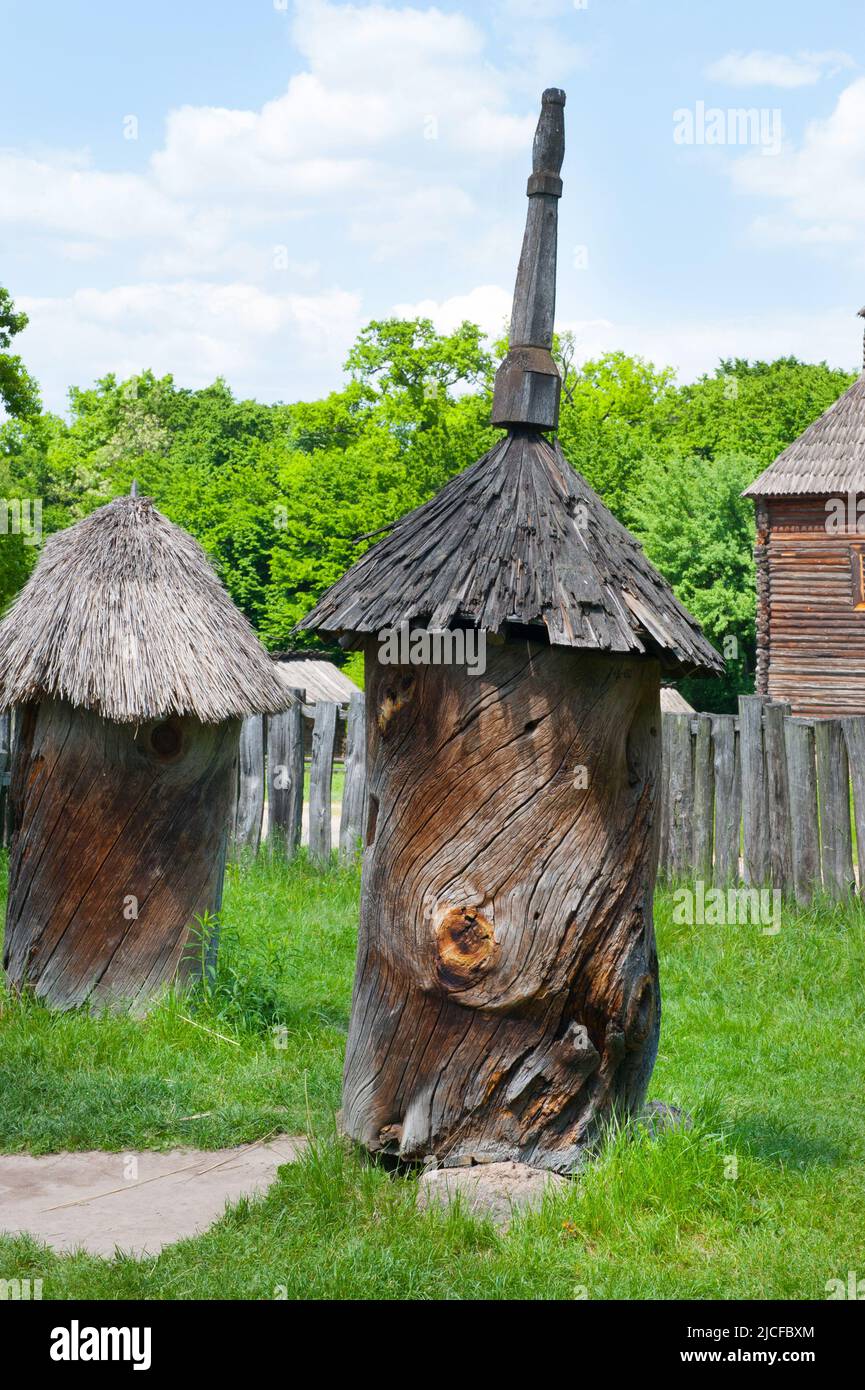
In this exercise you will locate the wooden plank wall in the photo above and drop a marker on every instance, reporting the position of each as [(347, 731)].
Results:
[(812, 636), (271, 769), (763, 799)]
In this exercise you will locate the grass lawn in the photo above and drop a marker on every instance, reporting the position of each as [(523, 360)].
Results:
[(762, 1042)]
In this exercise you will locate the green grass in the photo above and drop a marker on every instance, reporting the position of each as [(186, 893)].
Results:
[(337, 783), (279, 1005), (762, 1041)]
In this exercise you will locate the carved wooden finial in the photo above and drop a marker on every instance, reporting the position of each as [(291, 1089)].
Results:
[(528, 384), (133, 491), (861, 315)]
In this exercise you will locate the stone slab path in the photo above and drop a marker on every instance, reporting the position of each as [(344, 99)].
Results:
[(137, 1201)]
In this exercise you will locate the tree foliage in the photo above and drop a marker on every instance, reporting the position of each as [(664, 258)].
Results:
[(19, 394), (284, 497)]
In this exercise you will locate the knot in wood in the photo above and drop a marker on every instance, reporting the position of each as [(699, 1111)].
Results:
[(466, 947)]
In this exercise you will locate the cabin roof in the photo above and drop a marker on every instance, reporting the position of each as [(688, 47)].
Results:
[(518, 539), (672, 702), (828, 457), (321, 680), (124, 615)]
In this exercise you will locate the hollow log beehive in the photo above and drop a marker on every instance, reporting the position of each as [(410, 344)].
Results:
[(506, 997), (130, 669)]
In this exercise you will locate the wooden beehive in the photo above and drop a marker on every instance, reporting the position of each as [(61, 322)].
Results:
[(131, 670), (506, 998)]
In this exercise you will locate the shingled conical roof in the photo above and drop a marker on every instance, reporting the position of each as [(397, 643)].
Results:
[(124, 615), (828, 457), (519, 540)]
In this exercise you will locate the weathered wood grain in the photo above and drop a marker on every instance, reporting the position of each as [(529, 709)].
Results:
[(728, 799), (5, 763), (854, 738), (353, 816), (810, 634), (250, 787), (704, 799), (320, 776), (802, 783), (664, 802), (285, 777), (506, 998), (755, 810), (833, 789), (116, 853), (681, 824), (778, 796), (517, 540)]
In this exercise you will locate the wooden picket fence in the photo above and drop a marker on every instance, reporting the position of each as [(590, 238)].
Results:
[(763, 798), (270, 790), (759, 798)]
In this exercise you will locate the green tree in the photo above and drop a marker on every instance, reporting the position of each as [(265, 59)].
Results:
[(754, 408), (698, 530), (611, 420), (19, 394)]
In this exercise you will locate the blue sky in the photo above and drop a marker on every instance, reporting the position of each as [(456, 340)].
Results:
[(235, 187)]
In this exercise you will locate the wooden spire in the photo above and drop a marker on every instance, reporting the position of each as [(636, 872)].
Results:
[(861, 315), (528, 385)]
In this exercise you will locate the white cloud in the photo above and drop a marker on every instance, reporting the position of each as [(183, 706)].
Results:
[(761, 69), (193, 329), (821, 183), (80, 201), (487, 305), (696, 346), (383, 144)]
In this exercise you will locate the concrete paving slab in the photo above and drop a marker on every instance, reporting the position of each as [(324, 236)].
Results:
[(137, 1201)]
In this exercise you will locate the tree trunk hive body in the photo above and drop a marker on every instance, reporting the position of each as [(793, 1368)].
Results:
[(131, 669), (506, 1000), (118, 847)]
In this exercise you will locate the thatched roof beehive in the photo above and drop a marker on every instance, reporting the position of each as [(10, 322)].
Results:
[(125, 616)]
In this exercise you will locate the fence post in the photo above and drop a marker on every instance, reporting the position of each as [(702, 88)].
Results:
[(681, 849), (320, 775), (854, 737), (354, 792), (802, 784), (833, 783), (728, 799), (704, 799), (285, 775), (664, 801), (754, 801), (250, 792), (778, 793)]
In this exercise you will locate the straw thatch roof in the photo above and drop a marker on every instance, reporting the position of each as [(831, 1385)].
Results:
[(518, 539), (125, 616), (320, 680), (829, 457), (674, 703)]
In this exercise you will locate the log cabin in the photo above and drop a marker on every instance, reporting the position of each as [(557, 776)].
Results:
[(810, 558), (130, 670), (506, 1001)]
